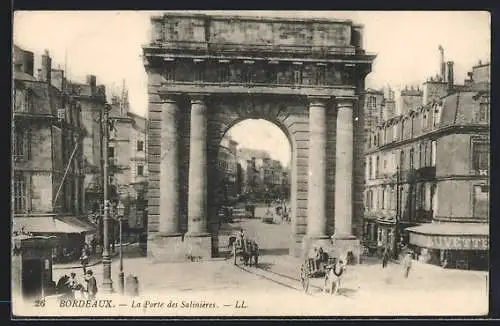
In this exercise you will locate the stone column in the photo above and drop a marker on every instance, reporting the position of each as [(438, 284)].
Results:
[(169, 170), (343, 239), (199, 240), (168, 243), (316, 192)]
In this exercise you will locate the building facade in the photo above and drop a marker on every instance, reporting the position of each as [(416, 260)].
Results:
[(48, 175), (427, 172), (228, 169), (137, 216)]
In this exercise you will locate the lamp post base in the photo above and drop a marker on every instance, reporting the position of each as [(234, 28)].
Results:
[(121, 280)]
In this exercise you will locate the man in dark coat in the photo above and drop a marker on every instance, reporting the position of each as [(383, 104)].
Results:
[(91, 284), (385, 258)]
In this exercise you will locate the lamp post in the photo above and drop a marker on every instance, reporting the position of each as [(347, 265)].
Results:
[(121, 210), (107, 283)]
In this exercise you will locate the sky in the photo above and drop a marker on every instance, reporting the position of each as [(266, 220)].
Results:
[(108, 44)]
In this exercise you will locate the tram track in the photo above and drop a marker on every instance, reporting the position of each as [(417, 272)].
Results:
[(283, 280)]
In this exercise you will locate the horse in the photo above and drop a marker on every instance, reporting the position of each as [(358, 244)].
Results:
[(333, 277)]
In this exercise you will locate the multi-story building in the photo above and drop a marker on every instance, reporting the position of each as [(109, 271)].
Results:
[(138, 168), (47, 179), (91, 98), (228, 168), (427, 172)]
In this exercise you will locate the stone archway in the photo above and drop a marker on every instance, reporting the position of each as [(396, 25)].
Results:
[(195, 95)]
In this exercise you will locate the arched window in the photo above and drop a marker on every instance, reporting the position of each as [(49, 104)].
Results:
[(377, 167)]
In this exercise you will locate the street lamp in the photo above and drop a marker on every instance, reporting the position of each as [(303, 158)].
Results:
[(107, 283), (120, 209)]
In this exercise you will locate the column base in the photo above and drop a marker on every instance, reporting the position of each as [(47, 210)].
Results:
[(310, 241), (165, 247), (348, 248), (198, 246)]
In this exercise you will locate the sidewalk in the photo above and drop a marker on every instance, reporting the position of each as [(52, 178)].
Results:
[(96, 260)]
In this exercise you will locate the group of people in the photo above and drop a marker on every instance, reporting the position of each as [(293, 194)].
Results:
[(72, 288)]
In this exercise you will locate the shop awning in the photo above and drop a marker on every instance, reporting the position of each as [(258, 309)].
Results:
[(451, 236), (81, 223), (47, 225)]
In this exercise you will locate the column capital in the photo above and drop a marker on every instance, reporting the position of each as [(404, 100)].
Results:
[(198, 98), (318, 100), (169, 98), (345, 101)]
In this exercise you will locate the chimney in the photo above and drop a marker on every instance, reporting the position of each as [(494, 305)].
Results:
[(46, 70), (442, 63), (450, 76), (91, 80), (57, 78)]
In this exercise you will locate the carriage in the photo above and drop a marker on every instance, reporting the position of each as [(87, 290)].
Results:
[(247, 250), (315, 268)]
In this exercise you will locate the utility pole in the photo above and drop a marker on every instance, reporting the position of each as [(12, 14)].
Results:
[(106, 259)]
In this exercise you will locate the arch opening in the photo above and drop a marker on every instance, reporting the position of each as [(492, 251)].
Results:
[(253, 183)]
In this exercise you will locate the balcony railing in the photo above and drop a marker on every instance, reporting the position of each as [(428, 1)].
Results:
[(427, 172)]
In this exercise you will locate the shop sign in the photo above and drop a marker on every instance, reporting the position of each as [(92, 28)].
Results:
[(450, 242)]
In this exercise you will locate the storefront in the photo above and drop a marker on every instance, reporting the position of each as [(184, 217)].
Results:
[(452, 245), (32, 266), (370, 232), (71, 233)]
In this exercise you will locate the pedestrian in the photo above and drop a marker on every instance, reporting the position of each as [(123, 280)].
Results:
[(84, 260), (91, 285), (385, 258), (407, 262), (75, 286), (93, 245)]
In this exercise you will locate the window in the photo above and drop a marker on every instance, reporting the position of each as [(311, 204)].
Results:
[(382, 201), (22, 144), (370, 171), (411, 158), (170, 73), (297, 77), (320, 75), (433, 197), (223, 73), (402, 129), (481, 157), (481, 201), (372, 101), (20, 193), (140, 145), (111, 155), (28, 101), (140, 170), (484, 112), (420, 155), (433, 153), (436, 112), (401, 161), (377, 167)]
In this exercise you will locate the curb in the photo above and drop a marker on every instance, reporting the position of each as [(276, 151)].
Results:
[(97, 262)]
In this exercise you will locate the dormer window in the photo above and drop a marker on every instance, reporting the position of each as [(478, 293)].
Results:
[(436, 113), (484, 111)]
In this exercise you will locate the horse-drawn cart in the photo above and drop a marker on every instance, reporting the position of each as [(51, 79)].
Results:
[(247, 250), (316, 268)]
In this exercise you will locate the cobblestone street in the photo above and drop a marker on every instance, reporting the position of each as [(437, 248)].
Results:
[(274, 288)]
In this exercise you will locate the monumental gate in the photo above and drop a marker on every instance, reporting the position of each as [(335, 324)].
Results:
[(207, 73)]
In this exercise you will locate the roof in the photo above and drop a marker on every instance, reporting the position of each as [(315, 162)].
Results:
[(49, 224), (457, 108), (21, 75), (449, 228)]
